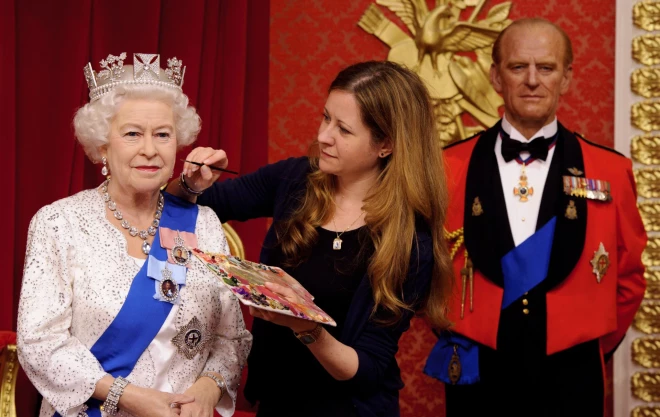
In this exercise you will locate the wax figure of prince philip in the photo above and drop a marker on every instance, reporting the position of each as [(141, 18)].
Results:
[(547, 247)]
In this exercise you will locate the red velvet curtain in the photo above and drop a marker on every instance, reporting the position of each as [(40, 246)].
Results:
[(43, 47)]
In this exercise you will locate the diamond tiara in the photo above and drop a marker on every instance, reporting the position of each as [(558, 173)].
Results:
[(145, 70)]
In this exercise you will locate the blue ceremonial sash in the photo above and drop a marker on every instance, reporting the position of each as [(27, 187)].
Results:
[(437, 364), (141, 316), (523, 268), (526, 265)]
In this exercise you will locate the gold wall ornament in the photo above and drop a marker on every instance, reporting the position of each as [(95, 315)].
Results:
[(646, 15), (646, 386), (645, 149), (648, 183), (650, 213), (647, 319), (645, 115), (646, 49), (645, 351), (651, 254), (645, 82), (652, 278), (457, 84), (645, 412)]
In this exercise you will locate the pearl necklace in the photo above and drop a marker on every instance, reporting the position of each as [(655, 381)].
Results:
[(132, 230)]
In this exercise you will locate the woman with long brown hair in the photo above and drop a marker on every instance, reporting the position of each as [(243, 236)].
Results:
[(359, 223)]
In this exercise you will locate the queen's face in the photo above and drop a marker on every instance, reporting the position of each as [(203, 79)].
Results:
[(142, 145)]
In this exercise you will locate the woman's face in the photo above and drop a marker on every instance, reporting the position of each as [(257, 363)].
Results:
[(142, 145), (345, 142)]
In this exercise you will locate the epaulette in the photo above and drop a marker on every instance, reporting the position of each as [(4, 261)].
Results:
[(463, 140), (598, 145)]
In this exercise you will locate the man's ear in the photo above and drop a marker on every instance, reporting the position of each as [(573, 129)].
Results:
[(566, 80), (495, 78)]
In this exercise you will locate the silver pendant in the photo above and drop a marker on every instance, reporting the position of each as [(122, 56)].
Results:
[(336, 244), (146, 247)]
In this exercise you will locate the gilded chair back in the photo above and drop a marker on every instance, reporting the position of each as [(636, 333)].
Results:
[(235, 243), (8, 374)]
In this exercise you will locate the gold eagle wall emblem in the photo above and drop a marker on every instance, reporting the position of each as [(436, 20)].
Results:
[(452, 56)]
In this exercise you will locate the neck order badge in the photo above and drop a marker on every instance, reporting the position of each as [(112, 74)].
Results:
[(537, 148)]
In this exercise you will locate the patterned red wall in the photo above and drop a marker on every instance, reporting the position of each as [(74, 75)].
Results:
[(311, 40)]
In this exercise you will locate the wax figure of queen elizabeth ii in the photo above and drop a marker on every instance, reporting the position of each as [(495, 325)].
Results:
[(109, 322)]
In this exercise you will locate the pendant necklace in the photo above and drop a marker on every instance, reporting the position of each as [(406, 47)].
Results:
[(524, 191), (132, 230), (336, 244)]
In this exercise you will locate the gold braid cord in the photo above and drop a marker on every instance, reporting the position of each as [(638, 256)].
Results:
[(645, 352), (455, 239), (646, 386)]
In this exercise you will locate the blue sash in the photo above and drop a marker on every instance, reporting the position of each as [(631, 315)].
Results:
[(141, 316), (523, 268), (437, 364), (526, 266)]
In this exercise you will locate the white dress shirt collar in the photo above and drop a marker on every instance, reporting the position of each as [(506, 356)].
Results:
[(546, 131)]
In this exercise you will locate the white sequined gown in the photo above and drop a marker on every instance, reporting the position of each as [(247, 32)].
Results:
[(77, 275)]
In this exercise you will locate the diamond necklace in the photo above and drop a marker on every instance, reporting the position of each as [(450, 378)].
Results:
[(132, 230)]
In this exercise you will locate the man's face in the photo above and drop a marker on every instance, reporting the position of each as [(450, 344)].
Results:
[(531, 74)]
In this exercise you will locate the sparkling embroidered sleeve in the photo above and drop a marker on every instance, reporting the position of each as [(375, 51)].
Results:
[(230, 351), (63, 369), (232, 340)]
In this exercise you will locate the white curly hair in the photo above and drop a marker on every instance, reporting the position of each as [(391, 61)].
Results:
[(92, 121)]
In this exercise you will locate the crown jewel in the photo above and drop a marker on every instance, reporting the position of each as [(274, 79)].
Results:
[(145, 70)]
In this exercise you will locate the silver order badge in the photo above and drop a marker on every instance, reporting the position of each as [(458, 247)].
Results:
[(168, 289), (180, 253), (191, 339)]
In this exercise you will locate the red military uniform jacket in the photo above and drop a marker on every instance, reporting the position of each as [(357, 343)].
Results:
[(578, 307)]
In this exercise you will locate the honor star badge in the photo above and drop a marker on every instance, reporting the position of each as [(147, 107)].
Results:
[(600, 262), (191, 339)]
